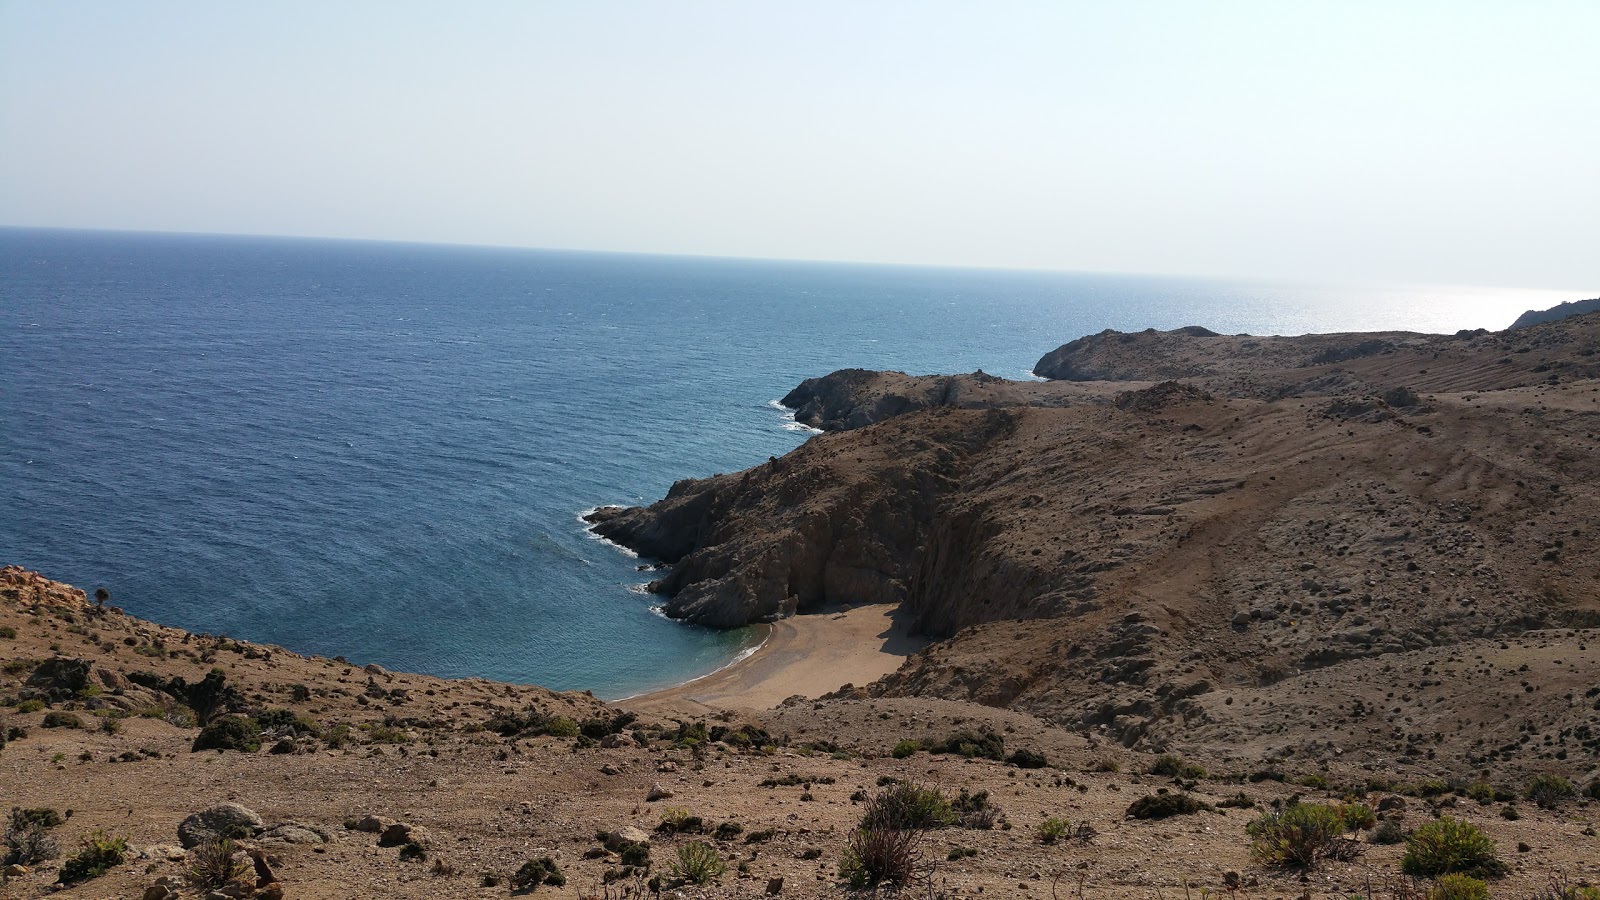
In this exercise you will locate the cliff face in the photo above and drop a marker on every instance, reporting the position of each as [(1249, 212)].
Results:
[(839, 520), (1112, 562), (1556, 313)]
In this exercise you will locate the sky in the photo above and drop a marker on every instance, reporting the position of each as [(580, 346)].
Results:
[(1350, 141)]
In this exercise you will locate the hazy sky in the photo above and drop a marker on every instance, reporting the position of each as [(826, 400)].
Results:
[(1452, 142)]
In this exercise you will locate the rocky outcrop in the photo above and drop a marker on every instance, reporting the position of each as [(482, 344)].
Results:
[(855, 398), (1556, 313), (1111, 565), (840, 520)]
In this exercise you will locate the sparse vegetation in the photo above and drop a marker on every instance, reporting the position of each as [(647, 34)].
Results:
[(1163, 805), (1052, 829), (1446, 846), (99, 853), (1549, 791), (27, 837), (533, 873), (215, 863), (698, 862), (1456, 886), (60, 719), (886, 847), (1300, 835), (229, 733)]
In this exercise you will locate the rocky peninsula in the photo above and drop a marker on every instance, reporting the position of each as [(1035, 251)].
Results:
[(1113, 633)]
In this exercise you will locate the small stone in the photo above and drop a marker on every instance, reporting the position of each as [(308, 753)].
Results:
[(657, 792), (16, 871), (609, 769), (373, 824), (775, 886), (159, 892)]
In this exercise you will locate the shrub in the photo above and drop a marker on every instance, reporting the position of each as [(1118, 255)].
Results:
[(1027, 759), (1447, 845), (229, 733), (886, 845), (413, 852), (1298, 835), (1389, 831), (972, 745), (1357, 816), (1482, 792), (1549, 791), (7, 632), (878, 855), (1052, 830), (677, 820), (58, 719), (1458, 887), (698, 862), (535, 872), (27, 836), (1594, 789), (99, 853), (214, 864), (1160, 806), (976, 810), (908, 806), (636, 854), (905, 748), (1166, 765)]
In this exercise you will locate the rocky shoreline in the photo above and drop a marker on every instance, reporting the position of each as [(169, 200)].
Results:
[(1148, 555)]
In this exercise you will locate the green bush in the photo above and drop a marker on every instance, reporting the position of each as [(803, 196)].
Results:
[(976, 811), (214, 864), (1052, 829), (535, 872), (58, 719), (972, 745), (885, 848), (905, 748), (1482, 792), (229, 733), (1299, 835), (27, 841), (1166, 765), (1549, 791), (7, 632), (1160, 806), (908, 806), (698, 862), (1357, 816), (99, 854), (1458, 887), (1447, 845)]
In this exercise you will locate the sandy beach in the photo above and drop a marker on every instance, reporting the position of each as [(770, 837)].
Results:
[(808, 654)]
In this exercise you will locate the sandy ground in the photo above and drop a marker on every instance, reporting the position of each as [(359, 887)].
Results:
[(809, 654)]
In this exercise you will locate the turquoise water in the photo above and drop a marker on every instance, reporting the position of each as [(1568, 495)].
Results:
[(382, 450)]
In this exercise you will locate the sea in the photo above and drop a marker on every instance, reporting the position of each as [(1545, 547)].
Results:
[(382, 450)]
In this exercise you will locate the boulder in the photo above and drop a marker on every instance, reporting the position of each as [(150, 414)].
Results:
[(230, 820), (627, 834), (399, 834), (658, 791)]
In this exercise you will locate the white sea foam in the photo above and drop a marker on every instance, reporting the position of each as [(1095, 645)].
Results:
[(588, 530), (789, 424)]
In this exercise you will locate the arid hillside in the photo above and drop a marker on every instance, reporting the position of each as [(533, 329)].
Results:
[(1375, 548)]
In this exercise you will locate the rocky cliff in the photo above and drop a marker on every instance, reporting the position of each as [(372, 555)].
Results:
[(1112, 562), (1556, 313)]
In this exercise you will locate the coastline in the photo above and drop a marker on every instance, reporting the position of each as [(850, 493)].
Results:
[(810, 654)]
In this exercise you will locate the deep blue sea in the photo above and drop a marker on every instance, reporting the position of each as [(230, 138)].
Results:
[(381, 450)]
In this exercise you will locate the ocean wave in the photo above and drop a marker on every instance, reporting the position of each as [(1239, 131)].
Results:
[(588, 530), (789, 423)]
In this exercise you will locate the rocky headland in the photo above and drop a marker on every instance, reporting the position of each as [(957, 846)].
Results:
[(1147, 612)]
